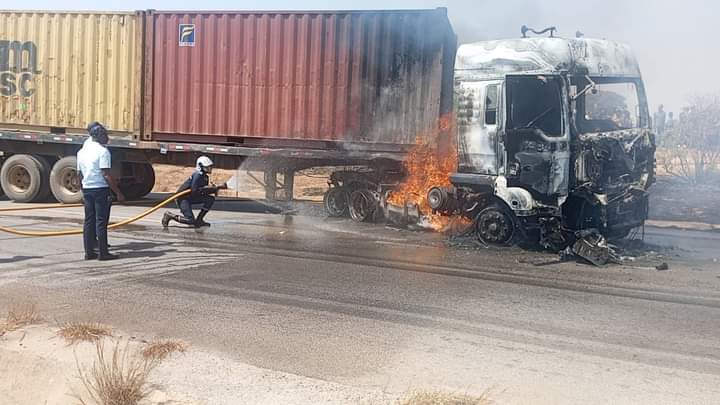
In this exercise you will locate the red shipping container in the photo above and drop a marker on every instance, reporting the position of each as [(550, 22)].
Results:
[(292, 78)]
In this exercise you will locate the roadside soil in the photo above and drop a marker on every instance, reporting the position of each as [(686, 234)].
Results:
[(37, 367), (673, 199)]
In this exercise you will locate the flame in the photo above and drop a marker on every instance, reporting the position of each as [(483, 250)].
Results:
[(429, 164)]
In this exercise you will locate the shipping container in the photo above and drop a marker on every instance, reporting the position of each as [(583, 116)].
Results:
[(298, 78), (61, 70), (271, 91)]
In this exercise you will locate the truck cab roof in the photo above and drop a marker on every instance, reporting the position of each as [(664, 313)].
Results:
[(594, 57)]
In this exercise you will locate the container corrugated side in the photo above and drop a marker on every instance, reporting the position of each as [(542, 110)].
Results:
[(66, 69), (347, 77)]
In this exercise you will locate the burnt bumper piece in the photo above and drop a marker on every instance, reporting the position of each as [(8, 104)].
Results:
[(625, 212)]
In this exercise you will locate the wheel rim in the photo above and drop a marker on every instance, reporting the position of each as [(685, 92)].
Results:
[(361, 207), (494, 226), (437, 198), (337, 202), (20, 179), (70, 180)]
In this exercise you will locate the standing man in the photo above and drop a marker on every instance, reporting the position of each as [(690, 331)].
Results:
[(93, 165), (660, 120), (670, 123)]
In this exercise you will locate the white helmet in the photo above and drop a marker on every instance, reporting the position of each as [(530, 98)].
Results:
[(203, 163)]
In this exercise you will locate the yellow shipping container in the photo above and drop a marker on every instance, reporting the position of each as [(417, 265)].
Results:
[(66, 69)]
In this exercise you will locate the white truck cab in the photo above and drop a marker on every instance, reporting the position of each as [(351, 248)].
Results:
[(553, 138)]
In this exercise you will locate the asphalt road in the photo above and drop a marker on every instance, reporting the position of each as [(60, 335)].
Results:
[(394, 310)]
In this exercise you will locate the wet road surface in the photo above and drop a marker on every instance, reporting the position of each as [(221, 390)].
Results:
[(376, 307)]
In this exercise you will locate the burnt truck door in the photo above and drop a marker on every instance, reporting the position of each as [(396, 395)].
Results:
[(478, 113), (537, 136)]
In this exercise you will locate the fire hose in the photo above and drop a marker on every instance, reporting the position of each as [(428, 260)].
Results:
[(79, 230)]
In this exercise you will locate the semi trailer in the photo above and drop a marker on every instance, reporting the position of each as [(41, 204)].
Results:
[(275, 91)]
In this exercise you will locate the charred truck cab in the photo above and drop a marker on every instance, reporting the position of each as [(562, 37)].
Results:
[(553, 141)]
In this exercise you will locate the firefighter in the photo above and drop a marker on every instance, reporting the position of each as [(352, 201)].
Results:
[(201, 192)]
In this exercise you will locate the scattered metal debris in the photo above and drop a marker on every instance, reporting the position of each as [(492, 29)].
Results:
[(591, 246)]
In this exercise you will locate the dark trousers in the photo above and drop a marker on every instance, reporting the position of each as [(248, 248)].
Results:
[(97, 213), (186, 204)]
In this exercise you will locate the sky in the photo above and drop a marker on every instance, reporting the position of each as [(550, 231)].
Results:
[(675, 41)]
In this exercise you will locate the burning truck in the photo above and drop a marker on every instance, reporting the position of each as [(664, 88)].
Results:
[(553, 143), (539, 139)]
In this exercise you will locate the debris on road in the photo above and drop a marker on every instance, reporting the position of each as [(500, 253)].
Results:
[(592, 246), (662, 266)]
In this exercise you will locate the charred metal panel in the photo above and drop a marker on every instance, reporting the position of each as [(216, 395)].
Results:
[(494, 59), (478, 110)]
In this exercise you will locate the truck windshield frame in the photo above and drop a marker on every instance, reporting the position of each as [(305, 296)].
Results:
[(536, 101), (615, 104)]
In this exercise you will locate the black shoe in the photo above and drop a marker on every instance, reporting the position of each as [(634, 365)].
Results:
[(108, 256), (200, 220), (167, 217), (91, 256), (201, 223)]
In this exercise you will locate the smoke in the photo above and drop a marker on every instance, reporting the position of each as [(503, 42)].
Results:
[(675, 41)]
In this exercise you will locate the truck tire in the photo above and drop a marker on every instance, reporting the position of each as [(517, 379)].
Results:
[(148, 179), (25, 178), (145, 175), (65, 182), (495, 225), (2, 192), (362, 205), (336, 201)]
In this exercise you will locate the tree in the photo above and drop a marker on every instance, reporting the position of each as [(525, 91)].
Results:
[(694, 142)]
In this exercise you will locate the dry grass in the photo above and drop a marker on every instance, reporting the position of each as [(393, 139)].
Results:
[(159, 350), (19, 316), (76, 332), (445, 398), (121, 379)]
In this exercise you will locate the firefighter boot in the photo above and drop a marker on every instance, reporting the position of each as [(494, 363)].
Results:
[(199, 222), (167, 217)]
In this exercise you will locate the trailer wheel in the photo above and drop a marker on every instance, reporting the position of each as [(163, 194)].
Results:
[(362, 205), (495, 225), (144, 176), (147, 181), (25, 178), (336, 201), (65, 182), (2, 192)]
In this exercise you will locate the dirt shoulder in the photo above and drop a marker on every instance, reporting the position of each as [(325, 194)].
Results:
[(38, 367), (672, 199)]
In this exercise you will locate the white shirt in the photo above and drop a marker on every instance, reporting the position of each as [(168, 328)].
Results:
[(91, 159)]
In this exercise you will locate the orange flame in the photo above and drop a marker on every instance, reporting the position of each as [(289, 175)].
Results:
[(429, 164)]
